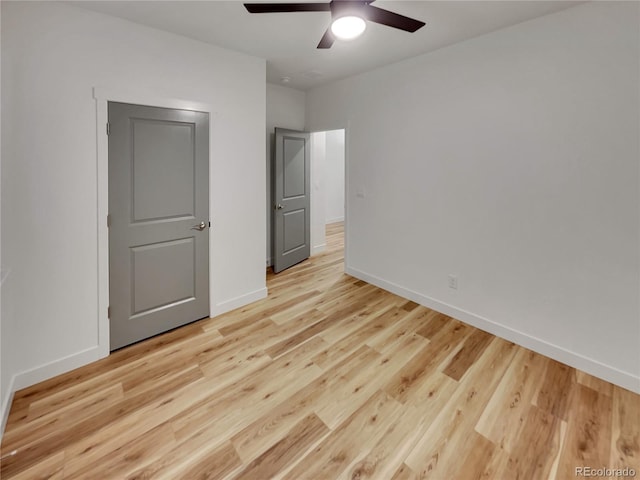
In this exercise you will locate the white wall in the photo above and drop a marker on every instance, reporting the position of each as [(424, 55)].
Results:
[(5, 371), (52, 56), (285, 109), (334, 176), (512, 161)]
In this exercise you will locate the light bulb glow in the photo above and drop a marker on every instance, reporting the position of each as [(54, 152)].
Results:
[(348, 28)]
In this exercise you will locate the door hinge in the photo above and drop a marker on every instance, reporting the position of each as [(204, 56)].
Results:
[(109, 221), (108, 312), (108, 128)]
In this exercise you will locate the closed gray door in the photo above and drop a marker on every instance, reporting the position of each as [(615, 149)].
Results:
[(291, 223), (159, 219)]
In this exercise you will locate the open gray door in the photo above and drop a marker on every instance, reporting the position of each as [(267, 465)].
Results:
[(291, 223), (159, 219)]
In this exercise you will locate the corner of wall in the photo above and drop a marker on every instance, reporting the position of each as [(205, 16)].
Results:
[(46, 371), (237, 302), (5, 407)]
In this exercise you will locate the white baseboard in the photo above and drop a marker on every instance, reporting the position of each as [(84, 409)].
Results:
[(576, 360), (66, 364), (334, 220), (57, 367), (318, 249), (238, 302), (46, 371), (6, 405)]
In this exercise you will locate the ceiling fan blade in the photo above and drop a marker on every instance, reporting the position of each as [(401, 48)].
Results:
[(390, 19), (327, 39), (286, 7)]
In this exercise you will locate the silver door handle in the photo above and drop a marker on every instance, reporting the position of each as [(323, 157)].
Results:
[(279, 207), (201, 226)]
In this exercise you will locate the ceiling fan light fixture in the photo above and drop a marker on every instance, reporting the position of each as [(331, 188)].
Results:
[(348, 27)]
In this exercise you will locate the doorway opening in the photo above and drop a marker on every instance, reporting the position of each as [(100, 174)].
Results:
[(306, 192), (328, 186)]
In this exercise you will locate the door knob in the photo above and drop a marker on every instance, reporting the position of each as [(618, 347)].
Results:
[(279, 207), (201, 226)]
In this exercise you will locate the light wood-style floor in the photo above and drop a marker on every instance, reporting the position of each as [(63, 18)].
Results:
[(327, 378)]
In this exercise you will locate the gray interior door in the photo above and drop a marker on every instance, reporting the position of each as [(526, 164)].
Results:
[(159, 219), (291, 226)]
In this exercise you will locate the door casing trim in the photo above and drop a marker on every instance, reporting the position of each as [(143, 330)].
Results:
[(102, 97)]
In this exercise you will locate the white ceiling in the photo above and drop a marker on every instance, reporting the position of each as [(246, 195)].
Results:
[(288, 40)]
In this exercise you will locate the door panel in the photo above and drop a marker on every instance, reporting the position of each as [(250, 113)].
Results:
[(156, 146), (294, 167), (158, 195), (294, 226), (291, 223), (153, 261)]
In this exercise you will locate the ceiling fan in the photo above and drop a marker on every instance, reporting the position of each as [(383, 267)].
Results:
[(347, 17)]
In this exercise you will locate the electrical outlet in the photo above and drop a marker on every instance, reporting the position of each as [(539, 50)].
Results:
[(453, 281)]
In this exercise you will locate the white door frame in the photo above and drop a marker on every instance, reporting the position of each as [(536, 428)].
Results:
[(102, 98)]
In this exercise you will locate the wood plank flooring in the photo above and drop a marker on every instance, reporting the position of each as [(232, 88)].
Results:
[(327, 378)]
